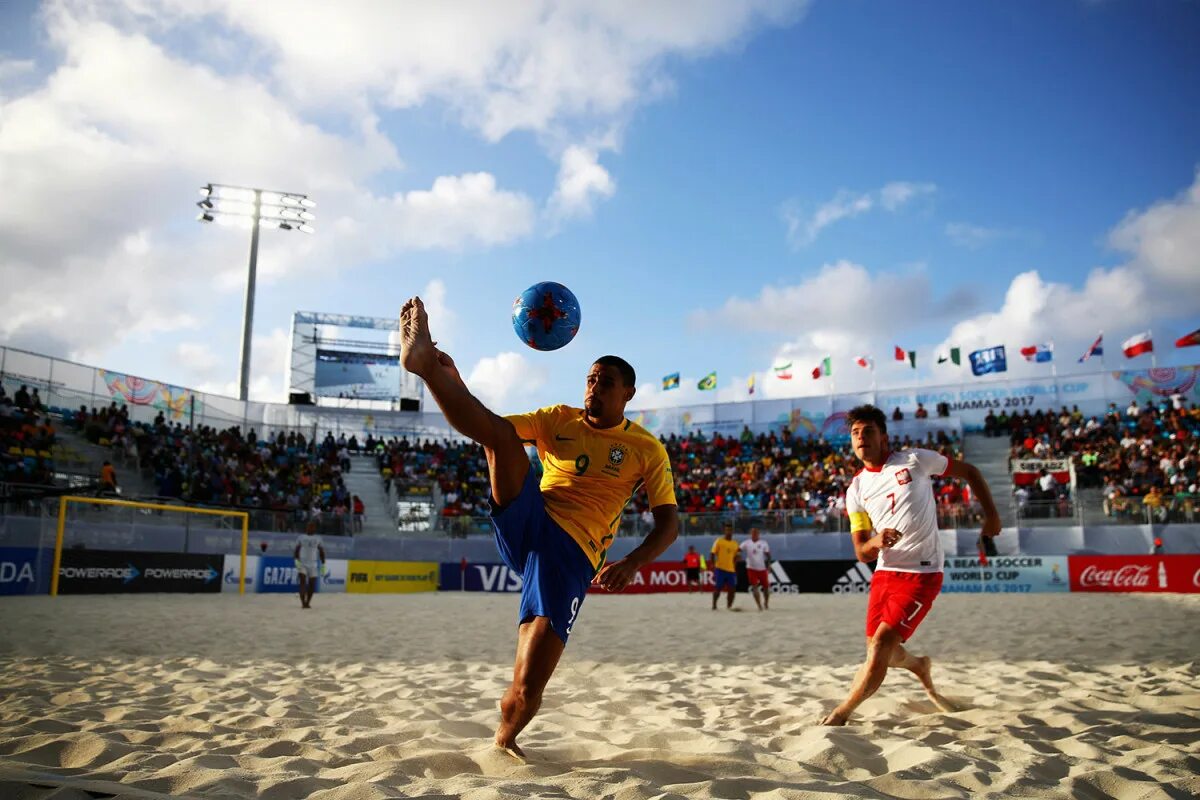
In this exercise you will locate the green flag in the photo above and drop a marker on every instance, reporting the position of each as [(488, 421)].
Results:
[(708, 382), (955, 356), (912, 358)]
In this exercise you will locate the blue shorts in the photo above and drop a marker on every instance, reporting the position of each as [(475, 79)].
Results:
[(723, 579), (555, 570)]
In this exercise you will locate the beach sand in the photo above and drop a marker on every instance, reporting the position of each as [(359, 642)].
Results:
[(369, 697)]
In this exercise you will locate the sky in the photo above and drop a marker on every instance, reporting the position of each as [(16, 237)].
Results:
[(728, 186)]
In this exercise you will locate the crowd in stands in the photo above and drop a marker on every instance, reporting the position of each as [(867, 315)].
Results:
[(1146, 459), (287, 478), (730, 475), (27, 437)]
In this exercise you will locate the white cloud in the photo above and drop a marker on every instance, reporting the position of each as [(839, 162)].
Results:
[(269, 357), (581, 181), (1160, 281), (503, 380), (459, 211), (803, 228)]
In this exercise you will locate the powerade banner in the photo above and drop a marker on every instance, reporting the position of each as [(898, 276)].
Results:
[(478, 578), (116, 572), (392, 577), (19, 570), (1006, 575), (1135, 574)]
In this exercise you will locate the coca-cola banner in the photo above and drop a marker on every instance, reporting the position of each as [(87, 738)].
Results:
[(1135, 574), (1017, 574)]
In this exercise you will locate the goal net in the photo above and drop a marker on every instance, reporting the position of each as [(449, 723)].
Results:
[(104, 545)]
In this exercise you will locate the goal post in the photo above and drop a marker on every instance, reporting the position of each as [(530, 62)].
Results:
[(65, 501)]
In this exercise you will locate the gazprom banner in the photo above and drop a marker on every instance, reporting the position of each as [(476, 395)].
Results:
[(1007, 575)]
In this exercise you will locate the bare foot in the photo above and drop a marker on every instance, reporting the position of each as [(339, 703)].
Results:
[(923, 671), (511, 749), (837, 717), (417, 352)]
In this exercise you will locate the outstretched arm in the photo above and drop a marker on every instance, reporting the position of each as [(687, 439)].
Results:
[(974, 478), (617, 575)]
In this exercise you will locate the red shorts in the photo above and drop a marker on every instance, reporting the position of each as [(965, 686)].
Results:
[(759, 577), (901, 599)]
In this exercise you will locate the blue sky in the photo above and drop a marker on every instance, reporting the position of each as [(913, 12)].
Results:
[(733, 188)]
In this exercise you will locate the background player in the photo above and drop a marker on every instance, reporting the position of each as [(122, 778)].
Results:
[(893, 518), (308, 550), (555, 536), (691, 566), (725, 555), (757, 554)]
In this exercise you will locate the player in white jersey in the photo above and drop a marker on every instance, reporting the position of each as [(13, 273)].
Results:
[(893, 518), (308, 550), (757, 554)]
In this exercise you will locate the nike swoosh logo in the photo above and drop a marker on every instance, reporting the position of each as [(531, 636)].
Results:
[(558, 438)]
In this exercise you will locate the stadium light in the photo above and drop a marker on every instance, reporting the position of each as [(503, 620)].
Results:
[(253, 208)]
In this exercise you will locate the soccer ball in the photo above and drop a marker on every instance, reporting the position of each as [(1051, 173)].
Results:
[(546, 316)]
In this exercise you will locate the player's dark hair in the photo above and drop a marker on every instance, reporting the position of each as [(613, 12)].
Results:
[(628, 376), (867, 413)]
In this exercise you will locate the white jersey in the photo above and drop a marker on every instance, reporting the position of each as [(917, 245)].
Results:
[(755, 553), (309, 544), (899, 495)]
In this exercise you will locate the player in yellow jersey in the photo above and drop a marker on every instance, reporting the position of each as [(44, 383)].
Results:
[(555, 536), (725, 555)]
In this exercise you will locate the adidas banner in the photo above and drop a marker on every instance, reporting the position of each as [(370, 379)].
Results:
[(823, 577)]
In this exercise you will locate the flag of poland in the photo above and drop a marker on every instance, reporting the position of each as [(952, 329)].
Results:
[(1136, 345)]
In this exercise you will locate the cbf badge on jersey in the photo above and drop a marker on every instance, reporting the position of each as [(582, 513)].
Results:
[(616, 457), (903, 476)]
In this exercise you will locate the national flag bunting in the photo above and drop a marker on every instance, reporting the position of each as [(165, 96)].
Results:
[(912, 358), (1039, 353), (1097, 349), (1138, 344), (988, 360), (670, 381), (784, 372), (708, 382), (900, 354), (824, 368), (750, 383), (954, 356), (1191, 340), (865, 362)]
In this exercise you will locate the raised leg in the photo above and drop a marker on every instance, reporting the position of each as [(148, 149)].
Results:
[(507, 462)]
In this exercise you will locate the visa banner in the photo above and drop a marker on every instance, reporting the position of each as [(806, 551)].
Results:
[(491, 577), (392, 577)]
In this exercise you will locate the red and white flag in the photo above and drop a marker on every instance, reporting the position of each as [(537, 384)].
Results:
[(863, 361), (1138, 344)]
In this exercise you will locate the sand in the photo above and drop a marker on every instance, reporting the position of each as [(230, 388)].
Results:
[(657, 697)]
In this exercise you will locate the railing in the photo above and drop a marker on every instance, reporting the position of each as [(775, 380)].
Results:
[(261, 519)]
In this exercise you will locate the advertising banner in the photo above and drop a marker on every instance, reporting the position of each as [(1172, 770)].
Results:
[(1006, 574), (1027, 470), (277, 574), (664, 576), (392, 577), (1135, 574), (19, 570), (110, 572), (823, 577), (233, 571), (335, 578), (478, 578)]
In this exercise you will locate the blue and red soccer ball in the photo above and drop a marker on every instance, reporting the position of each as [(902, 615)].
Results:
[(546, 316)]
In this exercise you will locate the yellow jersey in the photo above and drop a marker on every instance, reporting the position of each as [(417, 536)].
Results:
[(590, 474), (725, 552)]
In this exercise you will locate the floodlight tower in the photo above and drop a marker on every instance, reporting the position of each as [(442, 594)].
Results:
[(237, 205)]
